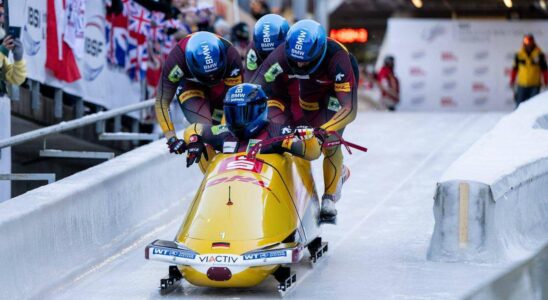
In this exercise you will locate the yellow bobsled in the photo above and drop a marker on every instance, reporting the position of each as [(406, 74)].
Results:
[(249, 219), (253, 216)]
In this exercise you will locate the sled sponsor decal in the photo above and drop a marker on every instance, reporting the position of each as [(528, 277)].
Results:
[(241, 163), (265, 255), (173, 252), (220, 259), (239, 178)]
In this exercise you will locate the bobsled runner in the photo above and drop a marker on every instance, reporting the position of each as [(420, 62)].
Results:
[(254, 215)]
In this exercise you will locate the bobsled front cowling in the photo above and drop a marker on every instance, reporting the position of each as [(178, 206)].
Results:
[(243, 206)]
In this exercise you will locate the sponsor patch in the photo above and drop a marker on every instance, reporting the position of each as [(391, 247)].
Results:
[(175, 74), (218, 129), (273, 72), (241, 163), (334, 104), (190, 94), (220, 259), (230, 146), (342, 87), (173, 252), (232, 81), (308, 105), (251, 60), (276, 103)]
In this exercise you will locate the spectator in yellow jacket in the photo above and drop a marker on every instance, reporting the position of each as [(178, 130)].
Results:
[(12, 73), (529, 70)]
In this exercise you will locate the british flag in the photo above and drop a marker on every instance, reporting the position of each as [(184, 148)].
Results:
[(117, 40), (140, 19)]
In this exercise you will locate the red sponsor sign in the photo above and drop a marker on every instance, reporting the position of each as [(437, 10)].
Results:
[(448, 102), (448, 56), (479, 87), (349, 35)]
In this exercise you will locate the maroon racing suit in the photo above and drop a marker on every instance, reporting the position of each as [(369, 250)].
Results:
[(328, 97), (200, 103), (283, 103)]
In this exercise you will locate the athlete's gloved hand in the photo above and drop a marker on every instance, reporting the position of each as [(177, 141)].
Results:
[(321, 134), (303, 132), (176, 145), (195, 149)]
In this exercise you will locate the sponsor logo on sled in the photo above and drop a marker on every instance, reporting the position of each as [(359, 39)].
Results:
[(173, 252), (265, 255), (219, 259), (242, 163)]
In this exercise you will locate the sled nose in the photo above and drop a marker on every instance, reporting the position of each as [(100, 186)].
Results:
[(219, 273)]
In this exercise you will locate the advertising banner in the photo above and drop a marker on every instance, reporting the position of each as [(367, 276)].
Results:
[(100, 83), (457, 65)]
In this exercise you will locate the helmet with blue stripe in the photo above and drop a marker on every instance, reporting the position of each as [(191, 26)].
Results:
[(245, 108), (205, 56), (270, 31), (305, 46)]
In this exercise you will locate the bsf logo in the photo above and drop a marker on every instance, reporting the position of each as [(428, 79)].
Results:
[(34, 30), (94, 47)]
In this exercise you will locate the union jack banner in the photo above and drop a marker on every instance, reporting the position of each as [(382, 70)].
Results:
[(140, 19)]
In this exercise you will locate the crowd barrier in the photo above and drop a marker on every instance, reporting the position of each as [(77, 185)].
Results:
[(492, 203), (53, 233)]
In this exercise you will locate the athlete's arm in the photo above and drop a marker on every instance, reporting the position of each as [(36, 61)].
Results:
[(234, 69), (543, 68), (171, 76), (342, 73)]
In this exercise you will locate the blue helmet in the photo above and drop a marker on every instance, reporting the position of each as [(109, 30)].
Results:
[(269, 33), (205, 57), (246, 110), (306, 42)]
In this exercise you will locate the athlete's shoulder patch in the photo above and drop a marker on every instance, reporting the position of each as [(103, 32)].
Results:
[(218, 129), (175, 74), (286, 130), (273, 72), (251, 60), (334, 104)]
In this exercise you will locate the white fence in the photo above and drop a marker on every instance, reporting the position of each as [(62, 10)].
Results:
[(492, 203), (51, 234)]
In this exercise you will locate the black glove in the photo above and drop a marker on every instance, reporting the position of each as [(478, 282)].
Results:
[(195, 149), (176, 145), (321, 134), (17, 50)]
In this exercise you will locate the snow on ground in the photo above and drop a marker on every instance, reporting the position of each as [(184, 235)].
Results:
[(377, 250)]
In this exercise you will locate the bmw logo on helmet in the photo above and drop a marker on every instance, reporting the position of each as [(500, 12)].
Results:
[(306, 42), (205, 56)]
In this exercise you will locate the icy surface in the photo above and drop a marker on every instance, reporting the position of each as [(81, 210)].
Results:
[(377, 250)]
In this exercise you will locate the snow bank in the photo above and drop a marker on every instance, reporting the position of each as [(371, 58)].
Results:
[(527, 280), (53, 233), (492, 203)]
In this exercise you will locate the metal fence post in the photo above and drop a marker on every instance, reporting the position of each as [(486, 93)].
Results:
[(58, 104), (35, 95)]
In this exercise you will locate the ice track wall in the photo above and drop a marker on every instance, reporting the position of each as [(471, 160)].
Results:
[(51, 234), (492, 203)]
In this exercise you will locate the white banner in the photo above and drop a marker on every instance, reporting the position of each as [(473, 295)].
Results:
[(453, 65), (100, 83)]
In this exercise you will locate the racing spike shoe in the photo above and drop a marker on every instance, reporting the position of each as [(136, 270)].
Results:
[(344, 177), (328, 213)]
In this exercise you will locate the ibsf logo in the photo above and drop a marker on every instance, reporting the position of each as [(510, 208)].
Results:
[(267, 44), (482, 70), (482, 55), (449, 70), (450, 85), (416, 71), (448, 56), (210, 64), (297, 51), (479, 87), (94, 47), (481, 101), (417, 85), (34, 31)]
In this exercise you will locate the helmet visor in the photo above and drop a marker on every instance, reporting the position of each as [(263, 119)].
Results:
[(239, 116)]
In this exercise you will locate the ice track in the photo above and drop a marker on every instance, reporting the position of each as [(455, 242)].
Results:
[(377, 250)]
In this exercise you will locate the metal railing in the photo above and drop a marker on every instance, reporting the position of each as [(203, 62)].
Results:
[(73, 124)]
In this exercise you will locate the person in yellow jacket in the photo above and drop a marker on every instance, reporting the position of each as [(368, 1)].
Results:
[(529, 70), (15, 73)]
